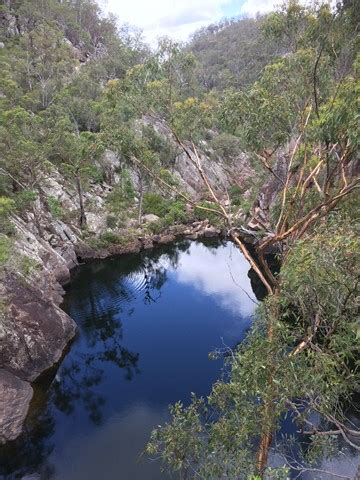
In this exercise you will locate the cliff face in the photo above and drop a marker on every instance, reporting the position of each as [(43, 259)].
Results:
[(34, 331)]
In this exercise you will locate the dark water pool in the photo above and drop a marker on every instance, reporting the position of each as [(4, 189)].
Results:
[(147, 323)]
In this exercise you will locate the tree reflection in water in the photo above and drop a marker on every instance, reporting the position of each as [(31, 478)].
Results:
[(97, 305)]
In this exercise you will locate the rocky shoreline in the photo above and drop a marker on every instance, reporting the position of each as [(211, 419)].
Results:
[(41, 331)]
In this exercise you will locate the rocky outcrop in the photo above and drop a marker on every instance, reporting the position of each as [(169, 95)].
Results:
[(34, 332), (221, 173), (15, 397), (150, 218)]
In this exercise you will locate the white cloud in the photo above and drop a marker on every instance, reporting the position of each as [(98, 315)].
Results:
[(251, 7), (175, 18), (230, 287), (180, 18)]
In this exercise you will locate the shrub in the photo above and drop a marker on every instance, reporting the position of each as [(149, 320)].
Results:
[(121, 197), (160, 145), (7, 205), (55, 207), (159, 226), (24, 199), (109, 238), (111, 221), (27, 265), (203, 214), (176, 213), (5, 249), (156, 204), (235, 194)]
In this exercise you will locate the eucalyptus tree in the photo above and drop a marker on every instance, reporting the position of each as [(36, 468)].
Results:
[(74, 153), (300, 358), (22, 150)]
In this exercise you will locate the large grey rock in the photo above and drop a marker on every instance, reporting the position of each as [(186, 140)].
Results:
[(220, 173), (211, 232), (34, 331), (150, 218), (15, 397), (110, 164), (164, 239), (96, 223)]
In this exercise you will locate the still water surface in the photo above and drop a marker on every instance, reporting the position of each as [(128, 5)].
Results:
[(147, 323)]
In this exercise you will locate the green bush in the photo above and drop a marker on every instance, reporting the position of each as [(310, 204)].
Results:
[(105, 240), (121, 197), (5, 249), (6, 207), (235, 194), (27, 265), (155, 204), (204, 214), (176, 213), (111, 221), (109, 238), (55, 207), (24, 199), (170, 211), (159, 226), (160, 145)]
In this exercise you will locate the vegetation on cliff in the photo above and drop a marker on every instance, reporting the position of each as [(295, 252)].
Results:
[(73, 86)]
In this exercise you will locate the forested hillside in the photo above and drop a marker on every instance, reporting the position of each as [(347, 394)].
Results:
[(249, 131), (233, 53)]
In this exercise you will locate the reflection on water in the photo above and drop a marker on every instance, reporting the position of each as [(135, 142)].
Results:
[(221, 273), (114, 443), (147, 323)]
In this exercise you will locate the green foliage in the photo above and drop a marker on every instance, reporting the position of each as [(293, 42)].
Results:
[(171, 211), (55, 207), (5, 249), (226, 146), (119, 200), (26, 265), (111, 221), (339, 116), (176, 213), (191, 117), (231, 53), (202, 214), (160, 145), (109, 238), (235, 194), (155, 203), (7, 206), (238, 200), (24, 199), (21, 145)]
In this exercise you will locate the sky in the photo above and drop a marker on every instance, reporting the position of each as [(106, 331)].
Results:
[(179, 18)]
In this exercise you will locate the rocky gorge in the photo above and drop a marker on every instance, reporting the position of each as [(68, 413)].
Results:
[(34, 329)]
